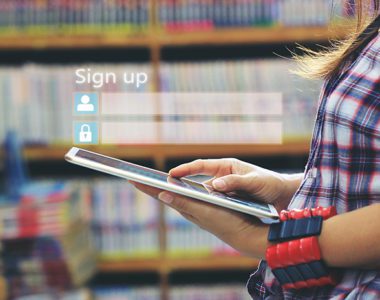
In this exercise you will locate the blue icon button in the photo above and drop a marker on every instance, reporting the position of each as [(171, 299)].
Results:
[(86, 133), (86, 103)]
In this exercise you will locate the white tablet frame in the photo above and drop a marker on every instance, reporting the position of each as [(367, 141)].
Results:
[(265, 216)]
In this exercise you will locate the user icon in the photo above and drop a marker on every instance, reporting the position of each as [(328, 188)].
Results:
[(85, 104)]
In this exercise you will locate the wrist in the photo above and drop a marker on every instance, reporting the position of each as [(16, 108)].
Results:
[(258, 242), (295, 257), (291, 183)]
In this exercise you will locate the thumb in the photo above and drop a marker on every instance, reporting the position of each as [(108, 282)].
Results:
[(234, 182)]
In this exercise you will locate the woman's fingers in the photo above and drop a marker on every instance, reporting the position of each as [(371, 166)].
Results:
[(234, 182), (151, 191), (184, 204), (202, 167), (180, 203)]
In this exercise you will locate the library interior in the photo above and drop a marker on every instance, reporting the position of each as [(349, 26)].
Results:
[(157, 83)]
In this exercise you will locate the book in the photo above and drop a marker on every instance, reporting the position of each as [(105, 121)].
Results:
[(51, 17), (125, 225), (125, 221), (185, 239), (45, 208), (77, 294), (227, 291), (208, 15), (45, 239)]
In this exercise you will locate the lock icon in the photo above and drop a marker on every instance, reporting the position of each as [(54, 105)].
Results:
[(85, 134)]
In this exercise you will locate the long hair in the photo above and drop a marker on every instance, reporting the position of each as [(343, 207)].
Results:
[(329, 62)]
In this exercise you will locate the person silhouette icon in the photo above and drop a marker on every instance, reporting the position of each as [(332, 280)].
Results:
[(85, 104)]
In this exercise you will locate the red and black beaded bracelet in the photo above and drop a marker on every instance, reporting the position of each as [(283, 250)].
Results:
[(296, 259)]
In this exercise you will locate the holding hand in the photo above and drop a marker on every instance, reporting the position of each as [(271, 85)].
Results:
[(243, 232)]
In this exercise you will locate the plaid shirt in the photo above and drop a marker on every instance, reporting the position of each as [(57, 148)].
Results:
[(343, 170)]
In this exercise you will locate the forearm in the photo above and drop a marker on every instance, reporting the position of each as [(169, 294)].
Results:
[(352, 239)]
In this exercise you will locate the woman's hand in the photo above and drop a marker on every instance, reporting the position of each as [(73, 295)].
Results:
[(232, 175), (244, 233)]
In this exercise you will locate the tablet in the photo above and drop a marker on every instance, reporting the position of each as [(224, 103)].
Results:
[(183, 186)]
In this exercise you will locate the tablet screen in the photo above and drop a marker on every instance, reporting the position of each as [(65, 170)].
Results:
[(161, 176)]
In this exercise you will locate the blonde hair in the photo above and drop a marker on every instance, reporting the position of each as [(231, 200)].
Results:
[(332, 60)]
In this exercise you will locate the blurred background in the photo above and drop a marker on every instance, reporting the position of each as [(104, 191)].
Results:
[(69, 233)]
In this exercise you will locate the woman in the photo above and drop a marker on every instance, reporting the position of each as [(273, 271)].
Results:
[(343, 171)]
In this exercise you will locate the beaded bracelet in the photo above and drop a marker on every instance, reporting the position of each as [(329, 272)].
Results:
[(296, 258)]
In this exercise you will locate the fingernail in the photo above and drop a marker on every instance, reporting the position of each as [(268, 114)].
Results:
[(219, 184), (165, 197)]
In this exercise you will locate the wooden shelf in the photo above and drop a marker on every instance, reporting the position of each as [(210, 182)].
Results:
[(169, 265), (256, 35), (72, 42), (233, 36), (165, 151)]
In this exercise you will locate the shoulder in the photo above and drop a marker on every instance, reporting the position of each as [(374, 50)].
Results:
[(372, 52), (355, 102), (367, 65)]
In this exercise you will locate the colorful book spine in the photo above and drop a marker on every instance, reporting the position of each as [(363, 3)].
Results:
[(45, 242), (48, 211), (125, 225), (124, 221), (200, 15), (76, 294), (193, 292), (73, 17), (187, 239)]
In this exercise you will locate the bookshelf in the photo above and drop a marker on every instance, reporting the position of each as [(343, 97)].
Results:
[(156, 40)]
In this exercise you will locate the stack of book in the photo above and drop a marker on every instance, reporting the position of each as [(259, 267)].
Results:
[(130, 293), (131, 16), (124, 220), (73, 17), (210, 292), (194, 292), (45, 240), (125, 225), (190, 15), (36, 100), (299, 97), (187, 239), (77, 294)]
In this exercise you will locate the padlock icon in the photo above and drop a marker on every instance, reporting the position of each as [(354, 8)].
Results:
[(85, 134)]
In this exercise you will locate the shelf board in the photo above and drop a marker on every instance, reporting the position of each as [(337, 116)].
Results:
[(256, 35), (168, 265), (72, 42), (167, 151)]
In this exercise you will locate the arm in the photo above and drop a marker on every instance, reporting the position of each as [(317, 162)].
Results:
[(347, 240), (352, 239)]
